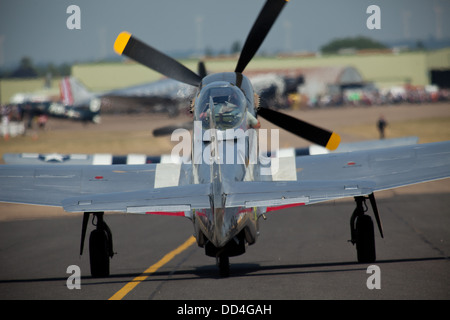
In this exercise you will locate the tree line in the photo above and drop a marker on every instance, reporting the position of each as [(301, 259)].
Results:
[(357, 43), (27, 69)]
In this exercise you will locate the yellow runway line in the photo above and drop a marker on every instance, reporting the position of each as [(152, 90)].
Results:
[(152, 269)]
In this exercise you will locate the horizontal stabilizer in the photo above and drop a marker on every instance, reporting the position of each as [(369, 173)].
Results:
[(171, 199), (280, 193)]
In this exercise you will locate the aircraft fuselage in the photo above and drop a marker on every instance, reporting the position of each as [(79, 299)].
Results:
[(221, 128)]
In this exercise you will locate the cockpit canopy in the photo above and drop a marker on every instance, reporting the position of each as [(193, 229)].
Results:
[(228, 106)]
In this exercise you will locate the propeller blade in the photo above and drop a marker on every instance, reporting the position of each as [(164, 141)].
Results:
[(135, 49), (259, 31), (202, 69), (319, 136), (168, 130)]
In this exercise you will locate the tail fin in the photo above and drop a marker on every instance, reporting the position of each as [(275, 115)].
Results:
[(66, 91), (74, 92)]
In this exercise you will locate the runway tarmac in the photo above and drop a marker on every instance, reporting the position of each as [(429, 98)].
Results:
[(301, 254)]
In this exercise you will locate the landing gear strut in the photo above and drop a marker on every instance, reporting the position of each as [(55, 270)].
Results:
[(223, 261), (362, 231), (234, 247), (100, 245)]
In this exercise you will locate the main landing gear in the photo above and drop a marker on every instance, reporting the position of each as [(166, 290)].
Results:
[(362, 231), (100, 244)]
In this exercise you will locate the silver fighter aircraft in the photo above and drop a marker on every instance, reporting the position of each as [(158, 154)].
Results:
[(225, 189)]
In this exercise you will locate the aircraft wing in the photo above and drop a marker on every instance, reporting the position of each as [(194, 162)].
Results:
[(162, 188), (387, 168), (151, 188), (177, 200), (275, 195), (306, 180)]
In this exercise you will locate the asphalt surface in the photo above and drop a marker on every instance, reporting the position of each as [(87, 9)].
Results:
[(302, 253)]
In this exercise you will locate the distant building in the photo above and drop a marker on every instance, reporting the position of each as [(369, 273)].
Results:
[(385, 69)]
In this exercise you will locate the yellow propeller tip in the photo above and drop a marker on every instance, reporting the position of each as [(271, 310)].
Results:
[(333, 142), (121, 42)]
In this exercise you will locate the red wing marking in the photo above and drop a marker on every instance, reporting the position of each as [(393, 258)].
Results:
[(284, 206), (164, 213)]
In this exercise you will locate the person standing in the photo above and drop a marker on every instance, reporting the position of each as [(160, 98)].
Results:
[(382, 124)]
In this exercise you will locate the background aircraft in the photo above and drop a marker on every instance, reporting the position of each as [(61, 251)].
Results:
[(74, 103), (168, 95), (225, 200)]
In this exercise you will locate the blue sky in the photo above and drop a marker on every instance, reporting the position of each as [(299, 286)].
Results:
[(38, 28)]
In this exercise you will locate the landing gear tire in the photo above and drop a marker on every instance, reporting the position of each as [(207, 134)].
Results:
[(99, 253), (224, 266), (365, 239)]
